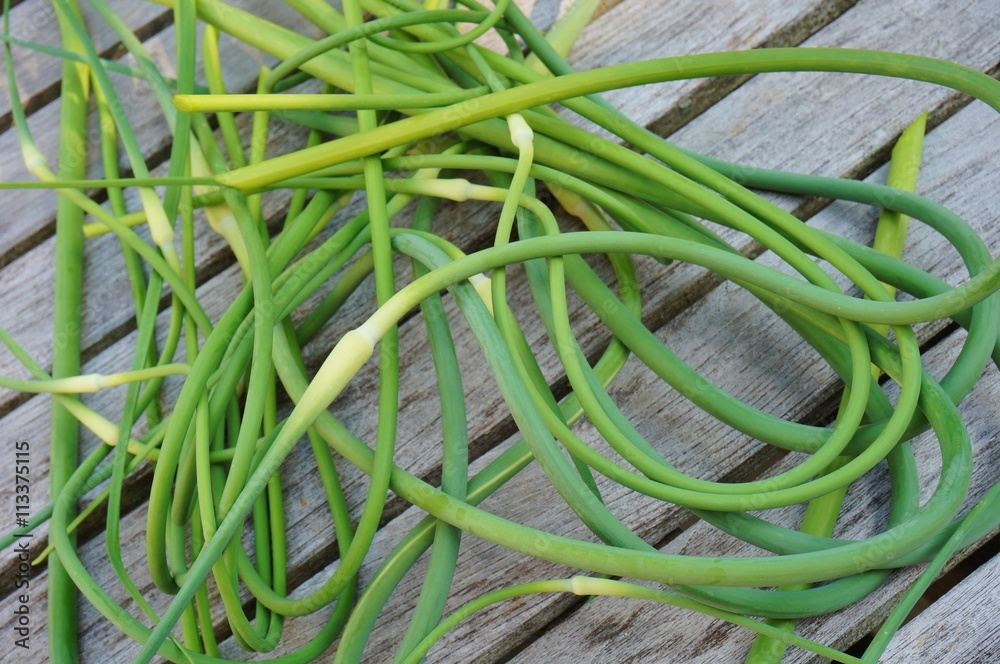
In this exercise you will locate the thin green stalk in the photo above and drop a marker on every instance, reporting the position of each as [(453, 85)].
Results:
[(588, 586), (64, 437), (454, 455)]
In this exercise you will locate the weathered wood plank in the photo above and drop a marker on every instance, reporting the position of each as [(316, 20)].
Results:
[(825, 111), (35, 21), (629, 33), (962, 626)]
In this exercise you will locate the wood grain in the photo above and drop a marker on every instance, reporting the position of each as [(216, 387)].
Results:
[(962, 626), (35, 21)]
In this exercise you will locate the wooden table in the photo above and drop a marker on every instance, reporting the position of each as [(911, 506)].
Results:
[(830, 124)]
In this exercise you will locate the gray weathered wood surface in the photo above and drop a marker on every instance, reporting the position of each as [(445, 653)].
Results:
[(969, 609), (848, 124)]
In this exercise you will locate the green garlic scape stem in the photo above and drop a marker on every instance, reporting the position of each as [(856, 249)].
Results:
[(64, 437)]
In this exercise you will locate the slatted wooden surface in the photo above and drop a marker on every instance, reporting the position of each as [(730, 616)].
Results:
[(830, 124)]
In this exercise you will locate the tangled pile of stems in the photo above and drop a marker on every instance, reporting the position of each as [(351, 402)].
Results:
[(418, 104)]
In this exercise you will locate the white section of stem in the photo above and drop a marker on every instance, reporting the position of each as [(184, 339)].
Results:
[(520, 133)]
